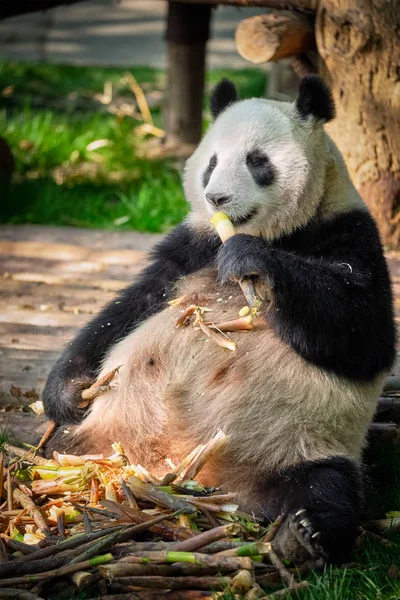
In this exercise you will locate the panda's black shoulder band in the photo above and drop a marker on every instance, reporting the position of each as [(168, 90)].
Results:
[(315, 99)]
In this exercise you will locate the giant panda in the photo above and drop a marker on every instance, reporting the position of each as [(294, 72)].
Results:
[(299, 392)]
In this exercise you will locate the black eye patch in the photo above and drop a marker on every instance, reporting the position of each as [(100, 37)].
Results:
[(207, 173), (260, 167)]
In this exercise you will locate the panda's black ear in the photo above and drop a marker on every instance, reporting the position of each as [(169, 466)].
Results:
[(223, 94), (315, 99)]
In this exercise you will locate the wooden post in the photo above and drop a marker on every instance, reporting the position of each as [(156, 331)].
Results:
[(188, 28)]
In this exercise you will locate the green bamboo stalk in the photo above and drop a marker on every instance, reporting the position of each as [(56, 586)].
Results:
[(177, 583), (67, 570), (146, 491), (118, 537), (254, 549), (12, 594), (29, 456), (72, 542), (180, 560), (206, 537)]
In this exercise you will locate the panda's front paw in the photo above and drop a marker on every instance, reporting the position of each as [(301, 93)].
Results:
[(298, 539), (241, 256), (62, 396)]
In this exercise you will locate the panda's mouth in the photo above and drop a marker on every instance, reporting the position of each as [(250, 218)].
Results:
[(245, 218)]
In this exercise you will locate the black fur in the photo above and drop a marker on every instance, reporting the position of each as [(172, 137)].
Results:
[(182, 252), (332, 295), (329, 493), (260, 167), (315, 99), (224, 94), (210, 168)]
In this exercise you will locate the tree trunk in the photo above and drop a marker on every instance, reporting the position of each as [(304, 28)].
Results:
[(358, 42), (187, 35)]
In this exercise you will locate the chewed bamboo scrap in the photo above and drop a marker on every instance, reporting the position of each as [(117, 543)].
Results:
[(98, 387), (241, 324), (213, 447), (217, 337), (220, 340)]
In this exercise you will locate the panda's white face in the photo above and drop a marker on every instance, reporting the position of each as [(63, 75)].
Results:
[(260, 164)]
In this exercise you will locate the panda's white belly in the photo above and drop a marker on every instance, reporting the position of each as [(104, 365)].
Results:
[(176, 389)]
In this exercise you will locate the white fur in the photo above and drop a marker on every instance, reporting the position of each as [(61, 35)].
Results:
[(310, 173)]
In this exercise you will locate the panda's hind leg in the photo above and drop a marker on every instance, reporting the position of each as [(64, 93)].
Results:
[(320, 502)]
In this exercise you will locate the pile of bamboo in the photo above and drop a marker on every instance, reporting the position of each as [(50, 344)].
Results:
[(113, 528)]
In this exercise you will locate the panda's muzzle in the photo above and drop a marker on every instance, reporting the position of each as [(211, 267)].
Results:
[(218, 199)]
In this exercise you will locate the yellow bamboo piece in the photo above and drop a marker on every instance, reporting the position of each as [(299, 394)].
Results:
[(226, 230)]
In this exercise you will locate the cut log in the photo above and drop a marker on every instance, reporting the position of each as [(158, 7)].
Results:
[(388, 410), (392, 384), (274, 36), (389, 430), (305, 5)]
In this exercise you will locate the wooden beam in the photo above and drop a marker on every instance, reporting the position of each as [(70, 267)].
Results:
[(274, 36), (307, 5)]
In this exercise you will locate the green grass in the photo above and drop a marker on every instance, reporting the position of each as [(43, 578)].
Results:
[(59, 180)]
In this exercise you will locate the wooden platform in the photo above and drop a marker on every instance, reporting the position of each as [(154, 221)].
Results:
[(53, 280)]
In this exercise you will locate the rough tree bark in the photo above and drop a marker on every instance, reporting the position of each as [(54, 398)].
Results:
[(358, 41)]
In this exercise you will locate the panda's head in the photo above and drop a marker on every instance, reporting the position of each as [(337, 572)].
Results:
[(262, 162)]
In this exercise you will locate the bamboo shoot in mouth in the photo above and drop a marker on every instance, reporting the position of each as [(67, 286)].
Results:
[(226, 230)]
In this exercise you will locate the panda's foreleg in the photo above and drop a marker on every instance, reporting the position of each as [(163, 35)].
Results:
[(321, 503), (333, 307), (182, 252)]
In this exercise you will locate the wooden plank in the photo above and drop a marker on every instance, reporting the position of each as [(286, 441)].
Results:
[(24, 427), (101, 284), (90, 238), (23, 374), (16, 329), (87, 269), (35, 341), (47, 303), (54, 281), (44, 293), (55, 318), (70, 252)]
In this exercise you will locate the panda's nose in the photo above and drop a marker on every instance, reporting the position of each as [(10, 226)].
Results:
[(218, 199)]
